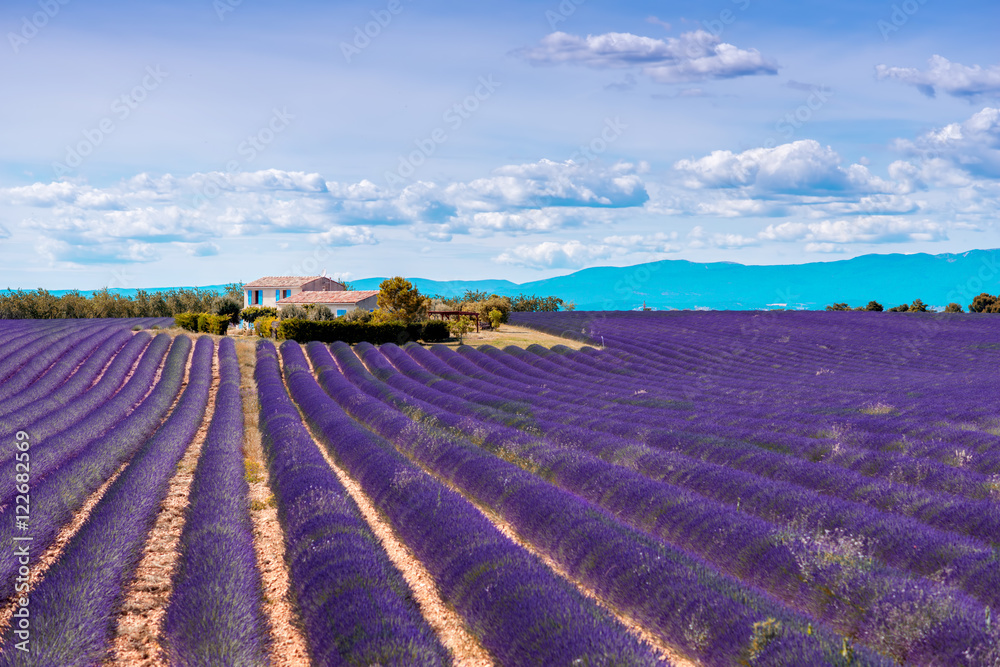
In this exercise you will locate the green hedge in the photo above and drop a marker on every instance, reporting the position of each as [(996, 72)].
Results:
[(304, 331), (435, 331)]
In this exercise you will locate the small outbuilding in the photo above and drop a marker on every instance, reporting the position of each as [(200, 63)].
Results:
[(340, 303)]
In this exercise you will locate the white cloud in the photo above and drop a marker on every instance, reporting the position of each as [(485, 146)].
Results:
[(698, 238), (574, 254), (694, 56), (872, 229), (972, 146), (119, 252), (824, 248), (945, 76), (801, 167), (547, 183), (344, 236)]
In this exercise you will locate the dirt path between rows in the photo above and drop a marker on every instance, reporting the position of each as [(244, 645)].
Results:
[(136, 642)]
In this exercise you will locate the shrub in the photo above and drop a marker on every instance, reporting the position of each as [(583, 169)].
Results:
[(358, 315), (918, 306), (217, 324), (485, 306), (251, 313), (460, 326), (436, 331), (187, 321), (901, 308), (838, 306), (203, 322), (984, 303), (495, 317), (292, 311), (319, 312), (263, 326), (874, 306), (953, 308)]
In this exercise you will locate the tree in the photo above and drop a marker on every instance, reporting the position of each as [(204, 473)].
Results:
[(495, 318), (229, 307), (953, 308), (460, 326), (234, 290), (901, 308), (984, 303), (874, 306), (918, 306), (838, 306), (400, 300)]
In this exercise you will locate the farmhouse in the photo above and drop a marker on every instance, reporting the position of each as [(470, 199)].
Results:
[(270, 290), (340, 302)]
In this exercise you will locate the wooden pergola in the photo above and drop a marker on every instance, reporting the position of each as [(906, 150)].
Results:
[(448, 314)]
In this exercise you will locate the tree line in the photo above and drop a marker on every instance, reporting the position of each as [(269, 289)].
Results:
[(41, 304), (984, 303)]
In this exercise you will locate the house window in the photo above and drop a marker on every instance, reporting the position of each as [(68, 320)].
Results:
[(287, 293), (258, 296), (341, 312)]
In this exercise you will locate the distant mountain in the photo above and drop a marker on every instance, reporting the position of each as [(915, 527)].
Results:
[(675, 283), (889, 279)]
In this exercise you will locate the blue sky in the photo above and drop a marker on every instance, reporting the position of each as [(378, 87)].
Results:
[(199, 142)]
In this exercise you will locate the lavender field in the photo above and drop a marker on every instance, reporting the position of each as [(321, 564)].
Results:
[(716, 488)]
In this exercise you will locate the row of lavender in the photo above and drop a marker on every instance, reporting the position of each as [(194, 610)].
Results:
[(94, 401), (947, 362), (966, 619), (670, 591)]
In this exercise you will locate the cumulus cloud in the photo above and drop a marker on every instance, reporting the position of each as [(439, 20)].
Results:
[(942, 75), (196, 210), (800, 167), (693, 56), (972, 146), (575, 253), (873, 229)]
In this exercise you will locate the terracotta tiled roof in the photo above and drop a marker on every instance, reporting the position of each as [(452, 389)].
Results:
[(285, 281), (328, 297)]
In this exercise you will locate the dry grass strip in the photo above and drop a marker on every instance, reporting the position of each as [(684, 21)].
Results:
[(288, 645)]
